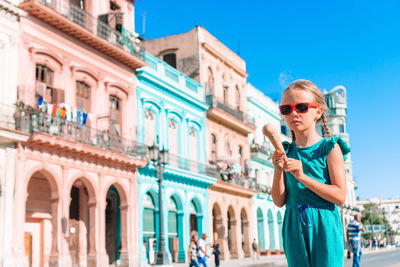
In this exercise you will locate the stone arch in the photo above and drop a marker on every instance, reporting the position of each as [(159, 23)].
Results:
[(232, 232), (245, 232), (118, 89), (41, 214), (217, 223), (195, 216), (47, 57), (175, 228), (280, 223), (210, 84), (271, 231), (49, 174), (260, 229)]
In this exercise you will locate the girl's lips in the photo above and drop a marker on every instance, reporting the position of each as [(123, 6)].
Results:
[(295, 122)]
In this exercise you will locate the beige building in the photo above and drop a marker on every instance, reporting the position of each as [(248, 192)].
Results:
[(204, 58)]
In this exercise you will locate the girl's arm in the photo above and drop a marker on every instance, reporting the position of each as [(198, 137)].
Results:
[(278, 190), (334, 192)]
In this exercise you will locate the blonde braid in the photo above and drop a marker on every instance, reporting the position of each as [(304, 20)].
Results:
[(327, 132)]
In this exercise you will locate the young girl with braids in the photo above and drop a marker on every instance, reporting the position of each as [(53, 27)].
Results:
[(311, 180)]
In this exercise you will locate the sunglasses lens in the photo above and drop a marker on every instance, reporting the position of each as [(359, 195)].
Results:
[(302, 108), (285, 109)]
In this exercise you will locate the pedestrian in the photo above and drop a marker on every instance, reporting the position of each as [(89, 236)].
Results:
[(202, 250), (216, 251), (354, 230), (192, 251), (255, 250), (310, 178)]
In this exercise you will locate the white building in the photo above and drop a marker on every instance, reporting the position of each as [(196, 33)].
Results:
[(268, 233), (389, 207), (9, 32)]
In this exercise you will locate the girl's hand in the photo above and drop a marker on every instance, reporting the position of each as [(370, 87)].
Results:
[(278, 159), (294, 166)]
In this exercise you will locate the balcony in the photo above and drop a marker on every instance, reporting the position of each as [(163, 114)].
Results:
[(179, 162), (72, 20), (229, 115), (261, 153), (58, 134)]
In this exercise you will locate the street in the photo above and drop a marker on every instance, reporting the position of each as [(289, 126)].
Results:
[(389, 258)]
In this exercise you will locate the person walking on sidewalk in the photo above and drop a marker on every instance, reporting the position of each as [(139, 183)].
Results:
[(216, 251), (202, 251), (193, 261), (354, 230), (310, 179), (255, 250)]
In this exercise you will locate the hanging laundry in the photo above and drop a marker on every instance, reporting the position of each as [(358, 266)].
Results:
[(49, 108), (63, 113), (84, 117), (54, 111)]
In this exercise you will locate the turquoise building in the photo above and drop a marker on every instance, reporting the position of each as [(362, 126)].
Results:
[(268, 217), (171, 113)]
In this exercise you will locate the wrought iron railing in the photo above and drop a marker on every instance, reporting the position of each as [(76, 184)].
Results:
[(213, 101), (95, 25), (264, 149), (30, 121), (238, 179), (179, 162)]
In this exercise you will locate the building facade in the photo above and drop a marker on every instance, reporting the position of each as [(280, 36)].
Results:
[(171, 113), (10, 16), (204, 58), (76, 176), (269, 218), (336, 120)]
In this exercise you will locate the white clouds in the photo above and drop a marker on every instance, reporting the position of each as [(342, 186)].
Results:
[(286, 77)]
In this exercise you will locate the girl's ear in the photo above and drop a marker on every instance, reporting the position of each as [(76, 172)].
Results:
[(320, 111)]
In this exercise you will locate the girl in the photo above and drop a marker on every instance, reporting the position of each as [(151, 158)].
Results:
[(311, 180), (192, 252)]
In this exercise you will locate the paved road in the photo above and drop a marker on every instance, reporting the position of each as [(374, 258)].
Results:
[(389, 258)]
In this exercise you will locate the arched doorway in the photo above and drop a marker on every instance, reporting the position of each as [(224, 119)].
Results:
[(40, 228), (150, 220), (279, 220), (81, 223), (175, 229), (231, 225), (271, 231), (113, 225), (244, 227), (260, 230), (218, 227), (196, 218)]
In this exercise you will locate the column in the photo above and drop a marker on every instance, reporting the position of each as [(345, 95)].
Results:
[(55, 221)]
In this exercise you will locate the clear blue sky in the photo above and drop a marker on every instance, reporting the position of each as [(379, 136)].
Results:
[(351, 43)]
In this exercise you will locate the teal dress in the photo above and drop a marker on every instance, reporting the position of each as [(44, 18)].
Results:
[(312, 230)]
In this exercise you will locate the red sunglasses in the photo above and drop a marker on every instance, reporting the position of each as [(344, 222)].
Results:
[(300, 107)]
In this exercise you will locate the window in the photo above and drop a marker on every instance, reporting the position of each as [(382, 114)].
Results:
[(213, 147), (193, 144), (45, 85), (170, 59), (149, 127), (226, 94), (210, 82), (82, 96), (341, 128), (115, 115), (78, 3), (237, 98), (173, 137)]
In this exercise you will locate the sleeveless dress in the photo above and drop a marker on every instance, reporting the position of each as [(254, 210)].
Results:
[(312, 231)]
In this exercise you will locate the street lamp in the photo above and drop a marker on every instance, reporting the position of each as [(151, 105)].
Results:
[(160, 158), (370, 221), (386, 230)]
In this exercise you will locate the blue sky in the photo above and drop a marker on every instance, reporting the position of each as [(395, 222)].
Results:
[(351, 43)]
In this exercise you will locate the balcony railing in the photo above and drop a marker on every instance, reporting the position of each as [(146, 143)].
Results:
[(31, 121), (179, 162), (213, 101), (237, 179), (264, 149), (92, 24)]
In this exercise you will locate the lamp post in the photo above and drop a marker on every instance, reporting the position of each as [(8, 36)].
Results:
[(160, 157), (386, 230), (370, 221)]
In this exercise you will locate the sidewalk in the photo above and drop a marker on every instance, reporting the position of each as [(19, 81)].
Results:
[(271, 260)]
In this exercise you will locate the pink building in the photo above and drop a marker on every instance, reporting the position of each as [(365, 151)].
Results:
[(76, 176)]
